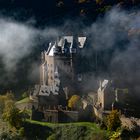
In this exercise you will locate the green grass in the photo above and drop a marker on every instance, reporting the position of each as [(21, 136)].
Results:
[(25, 100), (70, 131), (42, 123), (87, 124)]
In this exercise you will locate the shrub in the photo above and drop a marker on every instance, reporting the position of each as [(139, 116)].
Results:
[(113, 121), (116, 135), (75, 102), (13, 116)]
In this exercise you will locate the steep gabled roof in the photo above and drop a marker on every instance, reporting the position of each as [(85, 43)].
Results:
[(81, 41), (62, 42)]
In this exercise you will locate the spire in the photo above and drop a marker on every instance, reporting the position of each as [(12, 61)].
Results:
[(116, 95)]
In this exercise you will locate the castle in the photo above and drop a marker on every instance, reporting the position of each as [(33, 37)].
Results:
[(59, 64), (59, 75), (59, 79)]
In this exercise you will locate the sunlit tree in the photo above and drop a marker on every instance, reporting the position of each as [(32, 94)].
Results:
[(3, 99), (75, 102), (113, 120), (12, 115)]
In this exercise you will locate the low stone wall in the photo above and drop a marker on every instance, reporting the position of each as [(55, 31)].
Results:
[(51, 116), (61, 116), (68, 116)]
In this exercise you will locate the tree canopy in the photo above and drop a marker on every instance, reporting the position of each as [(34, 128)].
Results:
[(75, 102), (113, 120)]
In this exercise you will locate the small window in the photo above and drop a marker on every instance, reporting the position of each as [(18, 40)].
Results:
[(79, 77)]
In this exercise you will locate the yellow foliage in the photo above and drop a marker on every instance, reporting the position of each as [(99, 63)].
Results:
[(115, 136), (13, 116), (99, 1), (4, 99), (75, 102), (113, 120)]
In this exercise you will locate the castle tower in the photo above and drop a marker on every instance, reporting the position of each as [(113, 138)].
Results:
[(106, 95), (59, 62)]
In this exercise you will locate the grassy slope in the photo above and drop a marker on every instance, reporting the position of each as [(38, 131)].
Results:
[(25, 100), (66, 131)]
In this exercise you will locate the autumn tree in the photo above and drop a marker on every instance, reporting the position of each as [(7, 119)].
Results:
[(113, 120), (9, 112), (12, 115), (4, 99), (75, 102)]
